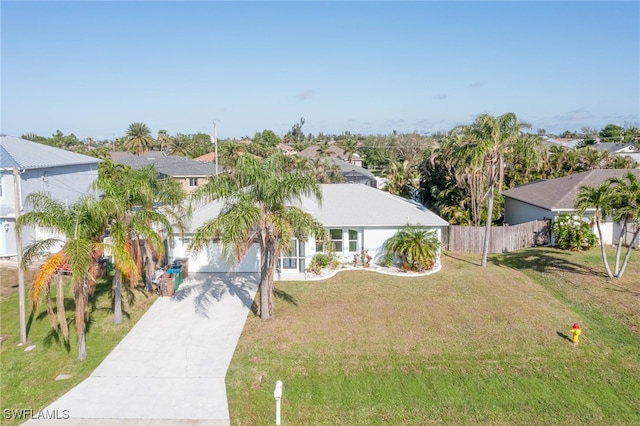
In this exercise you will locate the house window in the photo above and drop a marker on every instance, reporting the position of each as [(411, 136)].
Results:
[(335, 235), (290, 258), (193, 181), (294, 258), (353, 240), (336, 238)]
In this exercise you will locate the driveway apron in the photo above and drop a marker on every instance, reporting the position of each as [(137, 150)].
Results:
[(170, 369)]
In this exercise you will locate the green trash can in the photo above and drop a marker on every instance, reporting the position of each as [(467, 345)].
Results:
[(177, 273)]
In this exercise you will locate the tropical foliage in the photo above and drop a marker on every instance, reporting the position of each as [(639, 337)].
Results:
[(618, 198), (258, 199), (572, 233), (416, 247), (138, 139), (76, 233)]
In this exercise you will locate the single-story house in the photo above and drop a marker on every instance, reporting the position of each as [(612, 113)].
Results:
[(358, 217), (626, 149), (334, 151), (65, 175), (548, 198), (189, 173)]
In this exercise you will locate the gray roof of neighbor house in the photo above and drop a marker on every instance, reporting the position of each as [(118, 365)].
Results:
[(348, 204), (560, 193), (613, 148), (348, 168), (312, 151), (24, 154), (170, 165)]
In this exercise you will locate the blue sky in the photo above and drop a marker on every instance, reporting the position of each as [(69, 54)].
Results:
[(92, 68)]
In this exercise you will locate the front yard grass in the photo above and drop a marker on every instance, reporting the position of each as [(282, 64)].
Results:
[(468, 345), (28, 378)]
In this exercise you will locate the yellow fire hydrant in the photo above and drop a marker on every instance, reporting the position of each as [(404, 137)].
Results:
[(576, 334)]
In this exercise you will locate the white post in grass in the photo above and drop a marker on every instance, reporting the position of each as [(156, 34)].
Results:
[(277, 394)]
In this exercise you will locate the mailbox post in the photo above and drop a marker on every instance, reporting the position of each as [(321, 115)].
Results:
[(277, 394)]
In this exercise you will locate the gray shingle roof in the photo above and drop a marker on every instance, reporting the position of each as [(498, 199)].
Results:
[(560, 193), (350, 205), (171, 165), (24, 154), (361, 205), (613, 148)]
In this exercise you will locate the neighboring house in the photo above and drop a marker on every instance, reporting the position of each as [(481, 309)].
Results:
[(564, 142), (189, 173), (65, 175), (353, 171), (334, 151), (625, 149), (357, 217), (547, 199), (355, 174)]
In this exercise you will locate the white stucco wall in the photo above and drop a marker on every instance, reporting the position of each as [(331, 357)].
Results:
[(213, 260)]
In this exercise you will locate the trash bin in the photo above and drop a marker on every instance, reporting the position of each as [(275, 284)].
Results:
[(184, 263), (168, 283), (176, 273)]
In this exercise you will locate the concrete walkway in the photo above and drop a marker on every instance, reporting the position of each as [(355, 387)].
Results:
[(170, 369)]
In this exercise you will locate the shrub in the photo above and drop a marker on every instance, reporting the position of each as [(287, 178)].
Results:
[(415, 246), (318, 262), (572, 233)]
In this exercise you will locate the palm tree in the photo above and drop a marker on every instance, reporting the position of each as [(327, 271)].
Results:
[(78, 229), (257, 201), (138, 139), (598, 198), (625, 200), (163, 139), (489, 139), (137, 225), (349, 146), (403, 178), (180, 145), (416, 246)]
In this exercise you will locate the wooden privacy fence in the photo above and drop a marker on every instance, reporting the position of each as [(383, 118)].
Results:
[(503, 239)]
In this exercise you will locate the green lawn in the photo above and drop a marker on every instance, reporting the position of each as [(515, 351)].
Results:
[(28, 378), (467, 345)]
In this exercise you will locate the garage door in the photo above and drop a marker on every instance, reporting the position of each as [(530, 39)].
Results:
[(213, 260)]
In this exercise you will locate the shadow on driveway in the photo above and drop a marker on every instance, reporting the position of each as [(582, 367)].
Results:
[(207, 288)]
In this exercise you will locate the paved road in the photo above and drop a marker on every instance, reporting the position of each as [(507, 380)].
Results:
[(170, 368)]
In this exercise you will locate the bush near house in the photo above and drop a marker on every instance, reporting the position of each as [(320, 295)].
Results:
[(572, 233)]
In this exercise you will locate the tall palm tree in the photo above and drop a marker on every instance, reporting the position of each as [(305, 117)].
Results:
[(138, 139), (598, 198), (257, 201), (625, 200), (349, 146), (180, 145), (141, 210), (163, 139), (78, 229), (489, 139)]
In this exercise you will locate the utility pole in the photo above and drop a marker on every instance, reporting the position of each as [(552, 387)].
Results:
[(215, 142), (18, 205)]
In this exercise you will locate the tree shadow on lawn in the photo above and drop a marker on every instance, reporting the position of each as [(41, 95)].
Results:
[(544, 260)]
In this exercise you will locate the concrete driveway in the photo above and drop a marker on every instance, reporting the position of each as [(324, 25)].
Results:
[(170, 369)]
